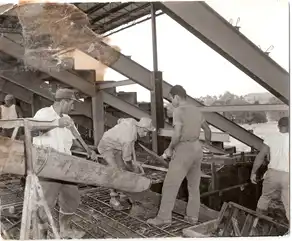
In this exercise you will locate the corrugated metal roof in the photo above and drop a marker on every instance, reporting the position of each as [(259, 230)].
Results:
[(104, 17)]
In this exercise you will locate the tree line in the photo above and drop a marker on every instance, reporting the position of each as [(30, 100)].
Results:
[(244, 117)]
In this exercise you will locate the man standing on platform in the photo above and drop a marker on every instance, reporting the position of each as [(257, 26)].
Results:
[(276, 179), (117, 148), (186, 152), (61, 139), (9, 111)]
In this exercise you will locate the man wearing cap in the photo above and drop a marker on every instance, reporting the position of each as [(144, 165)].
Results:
[(117, 147), (186, 155), (9, 111), (61, 139), (276, 179)]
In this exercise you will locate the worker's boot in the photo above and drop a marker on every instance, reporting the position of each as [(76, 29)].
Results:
[(66, 231), (157, 221), (191, 220), (125, 202), (114, 201), (43, 230)]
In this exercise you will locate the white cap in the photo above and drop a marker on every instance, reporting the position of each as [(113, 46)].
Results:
[(146, 123)]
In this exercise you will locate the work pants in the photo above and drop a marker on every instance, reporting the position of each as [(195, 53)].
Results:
[(67, 195), (114, 159), (275, 182), (186, 162)]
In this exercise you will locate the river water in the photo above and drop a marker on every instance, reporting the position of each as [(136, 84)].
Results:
[(262, 130)]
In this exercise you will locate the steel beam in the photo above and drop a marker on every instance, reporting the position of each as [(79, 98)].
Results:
[(13, 49), (18, 92), (104, 85), (15, 92), (157, 111), (206, 24), (216, 136), (30, 82), (98, 117), (142, 76), (235, 108), (23, 91), (65, 77), (33, 84)]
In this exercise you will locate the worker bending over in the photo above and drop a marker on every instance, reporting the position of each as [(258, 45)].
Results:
[(276, 179), (61, 139), (186, 152), (117, 148), (9, 111)]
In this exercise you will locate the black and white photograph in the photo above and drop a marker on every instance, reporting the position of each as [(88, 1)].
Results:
[(144, 119)]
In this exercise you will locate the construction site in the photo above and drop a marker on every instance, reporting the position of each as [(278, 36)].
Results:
[(48, 46)]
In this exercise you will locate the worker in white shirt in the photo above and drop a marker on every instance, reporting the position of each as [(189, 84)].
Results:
[(276, 179), (117, 147), (9, 111), (61, 139)]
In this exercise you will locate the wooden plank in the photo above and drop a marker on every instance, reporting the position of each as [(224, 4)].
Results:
[(232, 212), (247, 225), (202, 230), (235, 227)]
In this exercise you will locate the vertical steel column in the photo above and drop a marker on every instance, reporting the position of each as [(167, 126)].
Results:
[(33, 105), (36, 104), (97, 117), (157, 112)]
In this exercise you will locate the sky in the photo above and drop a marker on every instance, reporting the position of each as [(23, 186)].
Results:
[(186, 60)]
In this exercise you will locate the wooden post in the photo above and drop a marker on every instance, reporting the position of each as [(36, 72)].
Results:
[(32, 194), (97, 117), (29, 189)]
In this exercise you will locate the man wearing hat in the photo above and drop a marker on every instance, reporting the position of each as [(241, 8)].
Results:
[(117, 147), (61, 139), (9, 111), (276, 179)]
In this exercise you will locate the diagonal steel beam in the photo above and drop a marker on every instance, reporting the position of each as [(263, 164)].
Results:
[(18, 92), (142, 76), (17, 51), (22, 88), (206, 24)]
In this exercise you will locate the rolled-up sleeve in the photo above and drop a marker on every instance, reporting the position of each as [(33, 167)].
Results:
[(42, 115)]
